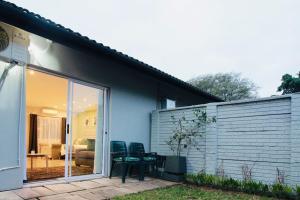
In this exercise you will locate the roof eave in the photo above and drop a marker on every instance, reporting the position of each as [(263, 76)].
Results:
[(22, 18)]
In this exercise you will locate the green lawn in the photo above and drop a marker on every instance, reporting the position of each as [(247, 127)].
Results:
[(189, 192)]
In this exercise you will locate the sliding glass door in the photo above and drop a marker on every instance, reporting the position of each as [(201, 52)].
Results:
[(84, 135), (64, 127)]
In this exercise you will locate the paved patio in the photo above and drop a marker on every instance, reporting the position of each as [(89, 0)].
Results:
[(95, 189)]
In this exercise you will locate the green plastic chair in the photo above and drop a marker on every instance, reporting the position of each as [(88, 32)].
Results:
[(137, 149), (119, 156)]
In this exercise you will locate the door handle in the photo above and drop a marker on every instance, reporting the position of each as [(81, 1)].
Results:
[(68, 128)]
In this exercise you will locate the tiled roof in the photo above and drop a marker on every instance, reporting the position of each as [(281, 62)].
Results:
[(29, 21)]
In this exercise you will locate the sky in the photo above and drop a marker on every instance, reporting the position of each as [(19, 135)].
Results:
[(187, 38)]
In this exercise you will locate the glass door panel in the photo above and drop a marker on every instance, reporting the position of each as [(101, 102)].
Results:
[(85, 138)]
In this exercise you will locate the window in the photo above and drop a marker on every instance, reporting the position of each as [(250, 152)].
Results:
[(168, 103), (171, 103)]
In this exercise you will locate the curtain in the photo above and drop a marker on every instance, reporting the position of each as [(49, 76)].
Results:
[(33, 133), (49, 130), (63, 130)]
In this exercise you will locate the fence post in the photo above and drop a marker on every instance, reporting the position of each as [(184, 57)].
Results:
[(211, 138), (295, 139)]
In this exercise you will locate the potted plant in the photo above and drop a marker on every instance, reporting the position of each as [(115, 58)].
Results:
[(186, 135)]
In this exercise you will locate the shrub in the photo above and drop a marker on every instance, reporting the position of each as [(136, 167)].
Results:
[(282, 191), (298, 191), (253, 187), (231, 184), (277, 190), (219, 182), (198, 179), (191, 178), (209, 180), (264, 189)]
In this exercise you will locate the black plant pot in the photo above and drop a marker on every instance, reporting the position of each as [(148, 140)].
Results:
[(175, 168)]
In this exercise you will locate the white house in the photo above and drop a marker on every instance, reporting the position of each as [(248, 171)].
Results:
[(61, 92)]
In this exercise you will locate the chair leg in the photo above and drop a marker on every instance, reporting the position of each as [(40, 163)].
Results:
[(124, 171), (156, 169), (141, 171), (111, 169), (130, 170), (151, 169)]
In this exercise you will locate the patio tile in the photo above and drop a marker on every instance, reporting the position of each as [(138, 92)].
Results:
[(104, 181), (87, 194), (42, 191), (125, 190), (103, 188), (148, 179), (9, 195), (110, 192), (63, 188), (75, 197), (87, 184), (134, 187), (116, 181), (57, 197), (146, 186), (131, 180), (162, 183), (26, 193)]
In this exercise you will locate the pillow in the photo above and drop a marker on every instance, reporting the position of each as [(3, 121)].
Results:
[(91, 144), (81, 141), (79, 146)]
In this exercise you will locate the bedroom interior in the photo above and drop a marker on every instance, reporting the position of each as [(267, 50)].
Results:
[(46, 126)]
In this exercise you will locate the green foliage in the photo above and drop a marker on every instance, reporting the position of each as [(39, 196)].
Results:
[(231, 184), (282, 191), (185, 192), (202, 179), (252, 187), (298, 191), (186, 133), (228, 86), (191, 178), (209, 180), (289, 84)]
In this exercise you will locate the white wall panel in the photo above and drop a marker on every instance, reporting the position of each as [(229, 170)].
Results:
[(263, 133)]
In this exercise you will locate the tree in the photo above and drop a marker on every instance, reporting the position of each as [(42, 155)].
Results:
[(289, 84), (187, 132), (228, 86)]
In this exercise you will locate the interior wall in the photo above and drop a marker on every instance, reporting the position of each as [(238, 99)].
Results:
[(83, 129), (37, 111)]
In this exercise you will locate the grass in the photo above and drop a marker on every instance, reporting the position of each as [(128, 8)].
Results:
[(189, 192)]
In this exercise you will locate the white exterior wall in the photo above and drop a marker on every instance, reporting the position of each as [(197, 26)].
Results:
[(162, 127), (264, 133), (255, 133), (295, 139), (11, 129)]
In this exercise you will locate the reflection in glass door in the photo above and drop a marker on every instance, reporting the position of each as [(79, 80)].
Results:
[(84, 130)]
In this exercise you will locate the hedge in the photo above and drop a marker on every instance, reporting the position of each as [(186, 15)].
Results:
[(251, 187)]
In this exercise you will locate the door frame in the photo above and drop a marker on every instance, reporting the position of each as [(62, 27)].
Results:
[(106, 122), (69, 134)]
